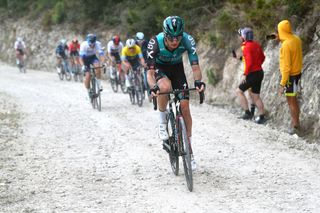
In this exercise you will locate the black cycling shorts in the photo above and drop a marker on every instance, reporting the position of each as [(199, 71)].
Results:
[(20, 51), (74, 53), (175, 73), (253, 81), (117, 57)]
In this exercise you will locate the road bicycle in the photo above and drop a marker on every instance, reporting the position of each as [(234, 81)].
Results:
[(116, 80), (178, 143), (95, 93), (64, 70), (136, 91), (76, 69), (21, 65)]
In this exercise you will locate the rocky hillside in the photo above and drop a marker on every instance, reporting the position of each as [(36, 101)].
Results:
[(227, 70)]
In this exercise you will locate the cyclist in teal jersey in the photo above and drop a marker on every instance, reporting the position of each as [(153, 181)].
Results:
[(166, 71)]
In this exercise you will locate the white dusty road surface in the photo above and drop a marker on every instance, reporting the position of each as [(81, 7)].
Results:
[(57, 154)]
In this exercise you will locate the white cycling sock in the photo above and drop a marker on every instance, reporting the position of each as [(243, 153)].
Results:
[(163, 117), (99, 83)]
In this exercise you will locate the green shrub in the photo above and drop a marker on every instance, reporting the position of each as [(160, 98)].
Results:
[(212, 78), (59, 13), (47, 20)]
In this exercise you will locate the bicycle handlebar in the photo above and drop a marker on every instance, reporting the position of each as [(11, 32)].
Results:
[(175, 92)]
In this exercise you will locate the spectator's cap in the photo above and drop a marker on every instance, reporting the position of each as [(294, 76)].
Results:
[(246, 33)]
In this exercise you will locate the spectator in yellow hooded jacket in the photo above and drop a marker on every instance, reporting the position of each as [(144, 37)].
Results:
[(290, 68)]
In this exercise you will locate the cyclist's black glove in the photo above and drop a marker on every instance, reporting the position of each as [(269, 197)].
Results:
[(199, 83), (155, 89)]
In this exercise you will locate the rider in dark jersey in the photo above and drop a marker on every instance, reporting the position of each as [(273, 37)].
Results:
[(166, 71)]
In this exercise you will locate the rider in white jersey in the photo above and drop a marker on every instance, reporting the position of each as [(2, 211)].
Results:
[(20, 48), (89, 50), (114, 48)]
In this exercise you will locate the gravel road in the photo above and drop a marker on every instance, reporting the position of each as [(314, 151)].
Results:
[(57, 154)]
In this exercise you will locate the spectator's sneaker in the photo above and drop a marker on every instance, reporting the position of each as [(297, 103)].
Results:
[(294, 130), (260, 120), (246, 116), (163, 134), (193, 163)]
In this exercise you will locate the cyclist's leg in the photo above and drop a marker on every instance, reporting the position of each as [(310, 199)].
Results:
[(87, 62), (118, 63), (18, 57), (96, 63), (126, 68), (164, 83), (179, 81)]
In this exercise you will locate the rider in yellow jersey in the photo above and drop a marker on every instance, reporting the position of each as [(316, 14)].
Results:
[(131, 57)]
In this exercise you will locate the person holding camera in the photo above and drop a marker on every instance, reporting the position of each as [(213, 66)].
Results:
[(253, 57)]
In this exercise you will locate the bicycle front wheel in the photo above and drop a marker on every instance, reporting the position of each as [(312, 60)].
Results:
[(174, 153), (185, 151)]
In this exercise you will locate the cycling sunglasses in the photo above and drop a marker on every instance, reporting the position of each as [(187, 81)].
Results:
[(171, 38)]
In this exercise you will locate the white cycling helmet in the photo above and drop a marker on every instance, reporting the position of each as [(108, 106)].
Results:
[(19, 39), (63, 41), (130, 42), (139, 35)]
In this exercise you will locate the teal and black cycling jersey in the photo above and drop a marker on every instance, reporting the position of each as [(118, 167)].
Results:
[(159, 54)]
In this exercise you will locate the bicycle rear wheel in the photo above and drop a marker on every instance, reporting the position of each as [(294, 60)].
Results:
[(132, 94), (68, 75), (93, 92), (123, 86), (174, 153), (185, 151), (75, 72)]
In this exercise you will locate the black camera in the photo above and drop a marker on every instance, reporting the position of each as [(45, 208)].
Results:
[(271, 37)]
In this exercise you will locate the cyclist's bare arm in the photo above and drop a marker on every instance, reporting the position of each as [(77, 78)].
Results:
[(197, 75), (151, 79), (110, 58), (126, 63), (142, 62), (102, 59)]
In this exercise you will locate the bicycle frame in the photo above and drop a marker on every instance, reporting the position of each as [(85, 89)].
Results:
[(179, 145), (95, 91)]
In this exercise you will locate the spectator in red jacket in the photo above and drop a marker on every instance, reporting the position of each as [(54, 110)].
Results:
[(253, 58)]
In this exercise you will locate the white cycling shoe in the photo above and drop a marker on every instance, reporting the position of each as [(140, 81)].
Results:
[(193, 164), (163, 134)]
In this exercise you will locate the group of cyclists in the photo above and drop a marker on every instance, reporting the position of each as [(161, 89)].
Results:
[(161, 58), (132, 55)]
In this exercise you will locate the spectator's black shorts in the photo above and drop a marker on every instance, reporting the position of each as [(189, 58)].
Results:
[(292, 85), (175, 73), (253, 81)]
